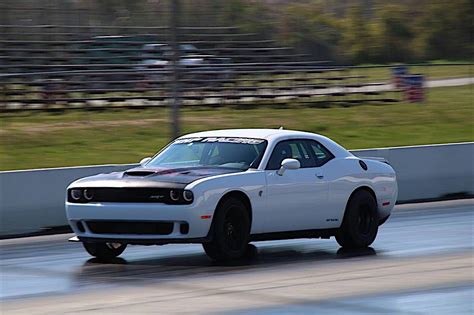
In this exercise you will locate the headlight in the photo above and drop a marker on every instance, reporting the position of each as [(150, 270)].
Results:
[(174, 195), (88, 194), (188, 195), (76, 194)]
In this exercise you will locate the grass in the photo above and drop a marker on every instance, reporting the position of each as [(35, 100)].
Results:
[(433, 71), (37, 140), (378, 73)]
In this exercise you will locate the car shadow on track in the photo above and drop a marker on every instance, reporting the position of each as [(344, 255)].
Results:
[(154, 269)]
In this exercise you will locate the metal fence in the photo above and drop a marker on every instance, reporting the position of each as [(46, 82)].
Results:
[(58, 69), (66, 67)]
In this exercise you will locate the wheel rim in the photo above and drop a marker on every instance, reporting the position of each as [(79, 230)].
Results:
[(364, 220), (114, 245), (234, 229)]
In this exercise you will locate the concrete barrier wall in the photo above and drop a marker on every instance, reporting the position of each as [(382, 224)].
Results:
[(32, 200), (431, 171)]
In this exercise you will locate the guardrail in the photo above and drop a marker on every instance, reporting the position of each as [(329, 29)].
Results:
[(33, 200)]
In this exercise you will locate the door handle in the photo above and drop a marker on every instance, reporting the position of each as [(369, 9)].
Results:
[(319, 176)]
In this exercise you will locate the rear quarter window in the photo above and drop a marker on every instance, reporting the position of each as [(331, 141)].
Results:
[(321, 154)]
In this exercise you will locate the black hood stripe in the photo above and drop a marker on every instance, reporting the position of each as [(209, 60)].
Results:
[(158, 178)]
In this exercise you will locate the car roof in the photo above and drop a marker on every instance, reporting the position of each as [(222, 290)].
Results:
[(246, 133)]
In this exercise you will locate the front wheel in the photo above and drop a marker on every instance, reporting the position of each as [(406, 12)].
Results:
[(104, 251), (230, 231), (360, 224)]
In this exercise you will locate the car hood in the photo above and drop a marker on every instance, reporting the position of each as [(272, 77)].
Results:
[(152, 177)]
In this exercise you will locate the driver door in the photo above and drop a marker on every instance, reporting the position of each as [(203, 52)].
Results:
[(294, 198)]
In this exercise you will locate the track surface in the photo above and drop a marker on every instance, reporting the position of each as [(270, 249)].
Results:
[(421, 262)]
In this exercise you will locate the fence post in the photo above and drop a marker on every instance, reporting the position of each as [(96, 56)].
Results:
[(176, 89)]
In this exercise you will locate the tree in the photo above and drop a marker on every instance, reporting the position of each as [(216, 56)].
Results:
[(444, 30), (309, 28), (392, 34), (356, 44)]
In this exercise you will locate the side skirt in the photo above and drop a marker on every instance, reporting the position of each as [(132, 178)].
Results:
[(319, 233)]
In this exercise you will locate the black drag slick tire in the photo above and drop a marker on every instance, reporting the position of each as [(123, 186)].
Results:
[(104, 251), (229, 232), (360, 224)]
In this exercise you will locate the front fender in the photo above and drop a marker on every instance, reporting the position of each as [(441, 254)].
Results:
[(209, 191)]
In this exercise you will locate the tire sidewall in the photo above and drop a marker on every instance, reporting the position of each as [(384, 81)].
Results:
[(227, 206), (103, 251), (359, 202)]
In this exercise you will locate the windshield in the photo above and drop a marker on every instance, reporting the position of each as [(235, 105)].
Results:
[(236, 153)]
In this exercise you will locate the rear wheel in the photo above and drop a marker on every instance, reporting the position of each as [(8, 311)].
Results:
[(230, 231), (104, 251), (360, 225)]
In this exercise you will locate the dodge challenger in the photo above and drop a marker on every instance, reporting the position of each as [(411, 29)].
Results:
[(227, 188)]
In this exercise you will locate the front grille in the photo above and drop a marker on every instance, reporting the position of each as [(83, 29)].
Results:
[(130, 195), (130, 227)]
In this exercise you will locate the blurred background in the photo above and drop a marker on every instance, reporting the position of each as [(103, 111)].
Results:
[(112, 81), (86, 82)]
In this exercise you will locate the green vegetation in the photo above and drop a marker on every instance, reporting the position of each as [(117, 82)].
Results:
[(353, 32), (35, 140), (359, 32)]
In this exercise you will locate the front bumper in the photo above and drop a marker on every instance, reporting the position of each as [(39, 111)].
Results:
[(83, 219)]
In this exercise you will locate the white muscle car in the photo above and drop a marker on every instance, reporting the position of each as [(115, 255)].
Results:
[(227, 188)]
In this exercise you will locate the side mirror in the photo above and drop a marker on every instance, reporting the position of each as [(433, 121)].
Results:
[(288, 164), (145, 160)]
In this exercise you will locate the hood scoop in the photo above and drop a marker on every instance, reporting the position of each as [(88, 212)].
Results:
[(139, 173)]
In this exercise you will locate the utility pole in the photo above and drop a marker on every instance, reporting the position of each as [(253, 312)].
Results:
[(176, 89)]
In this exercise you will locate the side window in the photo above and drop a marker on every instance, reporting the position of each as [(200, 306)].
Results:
[(294, 149), (321, 154)]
